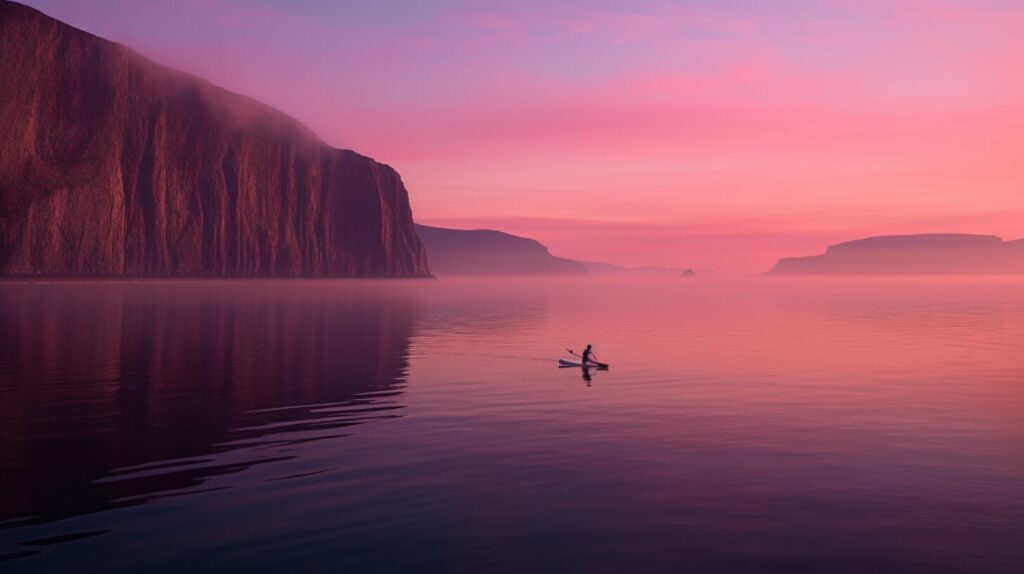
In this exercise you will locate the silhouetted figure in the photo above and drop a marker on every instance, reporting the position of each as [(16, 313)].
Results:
[(586, 356)]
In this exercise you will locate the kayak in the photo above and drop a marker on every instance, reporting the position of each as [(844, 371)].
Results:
[(579, 363)]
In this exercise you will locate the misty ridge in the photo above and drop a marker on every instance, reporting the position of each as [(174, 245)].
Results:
[(924, 254), (454, 252)]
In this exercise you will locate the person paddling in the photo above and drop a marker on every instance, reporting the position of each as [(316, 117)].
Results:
[(587, 358)]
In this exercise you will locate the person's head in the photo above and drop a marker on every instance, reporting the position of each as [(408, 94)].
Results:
[(588, 345)]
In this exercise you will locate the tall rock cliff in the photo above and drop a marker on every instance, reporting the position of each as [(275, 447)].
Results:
[(112, 165)]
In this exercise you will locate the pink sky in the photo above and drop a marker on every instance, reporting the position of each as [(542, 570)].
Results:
[(719, 134)]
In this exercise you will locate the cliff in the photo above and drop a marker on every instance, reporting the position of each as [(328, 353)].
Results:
[(928, 254), (111, 165), (487, 252)]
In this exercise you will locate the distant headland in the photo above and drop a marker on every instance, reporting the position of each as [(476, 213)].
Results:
[(453, 252), (926, 254)]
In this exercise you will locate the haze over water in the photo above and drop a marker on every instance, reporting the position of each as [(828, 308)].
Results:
[(750, 425)]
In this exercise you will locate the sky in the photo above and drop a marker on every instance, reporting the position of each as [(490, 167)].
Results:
[(717, 134)]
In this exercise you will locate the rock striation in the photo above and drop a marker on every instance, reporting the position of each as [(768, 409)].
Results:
[(926, 254), (489, 252), (114, 166)]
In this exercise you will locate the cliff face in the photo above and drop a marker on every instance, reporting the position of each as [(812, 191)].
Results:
[(927, 254), (111, 165), (488, 252)]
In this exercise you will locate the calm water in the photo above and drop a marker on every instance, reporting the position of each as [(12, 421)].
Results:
[(745, 426)]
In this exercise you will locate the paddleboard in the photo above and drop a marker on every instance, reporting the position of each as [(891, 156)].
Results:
[(578, 363)]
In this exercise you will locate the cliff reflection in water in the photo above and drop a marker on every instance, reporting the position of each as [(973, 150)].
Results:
[(113, 393)]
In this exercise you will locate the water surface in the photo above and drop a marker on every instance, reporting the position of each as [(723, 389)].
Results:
[(745, 426)]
